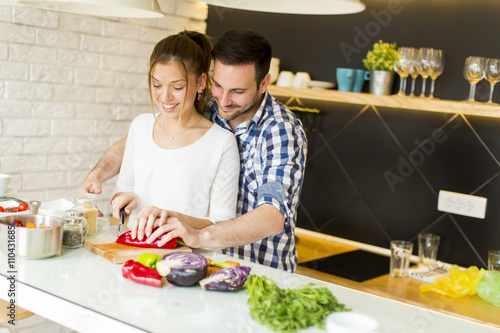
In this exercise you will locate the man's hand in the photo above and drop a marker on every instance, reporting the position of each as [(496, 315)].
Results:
[(124, 199), (174, 228), (146, 220)]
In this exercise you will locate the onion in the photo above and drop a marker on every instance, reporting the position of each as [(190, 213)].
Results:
[(226, 279), (183, 268)]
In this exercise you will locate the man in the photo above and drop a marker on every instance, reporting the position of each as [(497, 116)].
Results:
[(273, 150)]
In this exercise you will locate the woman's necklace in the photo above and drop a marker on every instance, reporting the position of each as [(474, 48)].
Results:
[(171, 137)]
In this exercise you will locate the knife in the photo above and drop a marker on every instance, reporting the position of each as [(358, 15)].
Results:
[(121, 228)]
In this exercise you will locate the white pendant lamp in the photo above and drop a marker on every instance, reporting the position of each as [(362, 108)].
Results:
[(114, 8), (311, 7)]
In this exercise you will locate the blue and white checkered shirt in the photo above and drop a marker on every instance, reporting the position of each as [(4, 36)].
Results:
[(273, 149)]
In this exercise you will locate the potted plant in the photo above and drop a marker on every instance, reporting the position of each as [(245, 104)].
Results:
[(380, 62)]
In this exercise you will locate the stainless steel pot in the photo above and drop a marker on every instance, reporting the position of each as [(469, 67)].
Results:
[(31, 243)]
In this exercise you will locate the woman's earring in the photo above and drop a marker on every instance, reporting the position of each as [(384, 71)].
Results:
[(200, 94)]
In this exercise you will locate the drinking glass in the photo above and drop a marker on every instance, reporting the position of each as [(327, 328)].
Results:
[(424, 66), (413, 72), (436, 67), (494, 260), (400, 258), (492, 74), (428, 245), (402, 66), (474, 72)]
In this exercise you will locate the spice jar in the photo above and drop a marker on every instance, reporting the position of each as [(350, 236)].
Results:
[(87, 203), (74, 229)]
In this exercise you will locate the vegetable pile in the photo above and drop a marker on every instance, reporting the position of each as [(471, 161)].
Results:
[(185, 269), (288, 310)]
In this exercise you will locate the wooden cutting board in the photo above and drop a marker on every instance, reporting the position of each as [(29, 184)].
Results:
[(119, 253)]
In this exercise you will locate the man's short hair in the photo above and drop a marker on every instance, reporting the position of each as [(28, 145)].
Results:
[(244, 47)]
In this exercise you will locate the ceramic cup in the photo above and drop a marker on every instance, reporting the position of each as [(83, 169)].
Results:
[(301, 80), (400, 258), (274, 69), (345, 79), (360, 77), (285, 79), (4, 182)]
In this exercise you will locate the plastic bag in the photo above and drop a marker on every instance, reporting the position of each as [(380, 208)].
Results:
[(489, 287), (457, 283)]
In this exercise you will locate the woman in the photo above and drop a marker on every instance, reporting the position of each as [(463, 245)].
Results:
[(179, 160)]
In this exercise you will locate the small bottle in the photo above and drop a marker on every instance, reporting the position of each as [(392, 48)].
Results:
[(73, 229), (87, 203)]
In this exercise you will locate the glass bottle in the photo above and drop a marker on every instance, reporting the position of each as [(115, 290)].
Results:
[(74, 229), (87, 203)]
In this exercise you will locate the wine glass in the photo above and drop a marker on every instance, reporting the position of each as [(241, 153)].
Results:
[(424, 66), (402, 65), (413, 72), (437, 67), (492, 74), (474, 72)]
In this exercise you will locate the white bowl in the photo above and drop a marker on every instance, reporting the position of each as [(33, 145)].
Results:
[(55, 208), (350, 322)]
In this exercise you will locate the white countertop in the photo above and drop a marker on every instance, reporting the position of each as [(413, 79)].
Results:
[(83, 291)]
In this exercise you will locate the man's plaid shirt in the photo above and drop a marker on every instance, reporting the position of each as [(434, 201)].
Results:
[(273, 149)]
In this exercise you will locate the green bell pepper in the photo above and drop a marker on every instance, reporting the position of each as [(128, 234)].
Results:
[(149, 260)]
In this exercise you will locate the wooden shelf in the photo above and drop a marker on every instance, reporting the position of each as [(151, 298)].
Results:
[(392, 101)]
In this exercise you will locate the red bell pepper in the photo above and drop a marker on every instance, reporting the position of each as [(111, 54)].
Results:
[(126, 239), (139, 273)]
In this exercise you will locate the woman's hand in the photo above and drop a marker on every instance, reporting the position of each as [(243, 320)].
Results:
[(124, 199)]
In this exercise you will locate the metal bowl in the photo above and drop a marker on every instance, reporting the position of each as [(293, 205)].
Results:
[(31, 243)]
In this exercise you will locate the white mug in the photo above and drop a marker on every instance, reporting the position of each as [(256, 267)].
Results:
[(274, 69), (285, 79), (301, 80), (4, 182)]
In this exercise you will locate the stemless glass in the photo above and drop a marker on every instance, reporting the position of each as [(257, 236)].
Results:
[(437, 67), (474, 72), (492, 74), (402, 66), (424, 66)]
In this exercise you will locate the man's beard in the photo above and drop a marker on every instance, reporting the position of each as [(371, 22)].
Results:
[(239, 112)]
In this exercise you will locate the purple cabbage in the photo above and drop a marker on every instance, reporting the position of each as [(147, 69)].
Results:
[(183, 268), (226, 279)]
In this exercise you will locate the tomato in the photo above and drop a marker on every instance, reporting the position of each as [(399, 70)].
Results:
[(22, 207), (18, 223), (1, 209), (43, 226), (30, 225)]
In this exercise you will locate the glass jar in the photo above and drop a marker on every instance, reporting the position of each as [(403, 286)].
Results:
[(75, 228), (87, 203)]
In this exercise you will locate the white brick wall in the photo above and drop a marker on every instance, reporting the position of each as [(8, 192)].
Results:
[(69, 87)]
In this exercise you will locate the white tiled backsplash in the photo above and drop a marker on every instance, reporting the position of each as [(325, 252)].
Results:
[(69, 87)]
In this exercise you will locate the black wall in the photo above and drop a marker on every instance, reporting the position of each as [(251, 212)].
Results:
[(319, 44), (352, 152)]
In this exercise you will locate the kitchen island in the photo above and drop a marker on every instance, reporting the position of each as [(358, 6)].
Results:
[(83, 291)]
